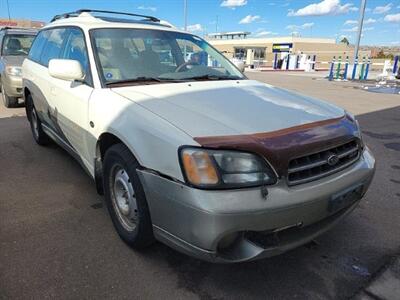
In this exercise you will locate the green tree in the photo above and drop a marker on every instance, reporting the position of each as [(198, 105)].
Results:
[(345, 41)]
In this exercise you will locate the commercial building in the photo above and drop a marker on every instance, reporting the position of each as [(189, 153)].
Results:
[(21, 23), (262, 50)]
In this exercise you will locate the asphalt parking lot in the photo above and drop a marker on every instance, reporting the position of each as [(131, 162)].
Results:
[(57, 240)]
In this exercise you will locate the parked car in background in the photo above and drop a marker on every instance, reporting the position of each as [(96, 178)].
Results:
[(14, 47), (185, 148)]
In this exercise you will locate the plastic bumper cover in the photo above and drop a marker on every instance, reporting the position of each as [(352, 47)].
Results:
[(195, 221)]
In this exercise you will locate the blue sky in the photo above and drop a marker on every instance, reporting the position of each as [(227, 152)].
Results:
[(264, 18)]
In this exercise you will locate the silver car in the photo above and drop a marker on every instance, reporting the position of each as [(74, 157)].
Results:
[(14, 47)]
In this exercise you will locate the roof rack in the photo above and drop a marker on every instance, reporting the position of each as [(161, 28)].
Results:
[(78, 12)]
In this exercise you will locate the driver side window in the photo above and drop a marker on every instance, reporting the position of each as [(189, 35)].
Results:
[(75, 48)]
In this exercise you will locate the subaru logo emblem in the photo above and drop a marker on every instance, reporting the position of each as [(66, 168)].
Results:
[(333, 159)]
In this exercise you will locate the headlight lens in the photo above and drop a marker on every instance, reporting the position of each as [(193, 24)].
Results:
[(224, 168), (14, 71)]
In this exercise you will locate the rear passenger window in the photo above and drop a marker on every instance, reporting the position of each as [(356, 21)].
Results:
[(37, 46), (52, 49)]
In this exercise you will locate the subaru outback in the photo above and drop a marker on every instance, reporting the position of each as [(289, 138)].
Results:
[(185, 148)]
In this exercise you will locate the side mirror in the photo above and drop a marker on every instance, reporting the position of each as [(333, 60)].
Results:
[(66, 69)]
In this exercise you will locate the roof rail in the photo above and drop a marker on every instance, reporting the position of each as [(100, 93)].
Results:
[(78, 12)]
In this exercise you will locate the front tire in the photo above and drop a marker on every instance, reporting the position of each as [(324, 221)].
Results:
[(38, 134), (8, 101), (125, 197)]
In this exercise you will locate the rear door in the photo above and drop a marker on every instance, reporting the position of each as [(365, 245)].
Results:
[(70, 100), (47, 45)]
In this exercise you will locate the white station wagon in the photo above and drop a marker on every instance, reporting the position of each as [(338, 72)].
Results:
[(185, 148)]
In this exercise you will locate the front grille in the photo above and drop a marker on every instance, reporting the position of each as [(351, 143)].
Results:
[(311, 167)]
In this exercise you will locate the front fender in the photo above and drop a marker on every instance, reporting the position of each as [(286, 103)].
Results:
[(152, 140)]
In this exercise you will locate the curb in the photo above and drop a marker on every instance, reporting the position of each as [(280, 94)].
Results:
[(385, 285)]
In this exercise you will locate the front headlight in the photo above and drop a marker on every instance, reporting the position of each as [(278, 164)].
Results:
[(14, 71), (224, 168)]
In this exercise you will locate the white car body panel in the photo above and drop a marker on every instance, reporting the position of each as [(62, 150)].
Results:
[(152, 140), (229, 107)]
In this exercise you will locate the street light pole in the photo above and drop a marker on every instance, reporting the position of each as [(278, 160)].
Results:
[(185, 14), (8, 9), (360, 25)]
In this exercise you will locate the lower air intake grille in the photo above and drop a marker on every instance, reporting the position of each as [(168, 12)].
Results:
[(314, 166)]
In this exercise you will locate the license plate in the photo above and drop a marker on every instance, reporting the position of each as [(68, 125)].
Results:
[(344, 198)]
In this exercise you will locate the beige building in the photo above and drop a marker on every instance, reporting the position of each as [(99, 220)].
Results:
[(262, 48), (21, 23)]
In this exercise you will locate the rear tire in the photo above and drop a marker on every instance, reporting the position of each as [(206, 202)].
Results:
[(39, 135), (125, 197), (8, 102)]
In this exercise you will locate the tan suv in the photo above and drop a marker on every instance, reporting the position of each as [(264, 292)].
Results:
[(14, 47)]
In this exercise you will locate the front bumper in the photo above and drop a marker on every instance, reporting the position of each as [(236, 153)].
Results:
[(199, 222), (12, 85)]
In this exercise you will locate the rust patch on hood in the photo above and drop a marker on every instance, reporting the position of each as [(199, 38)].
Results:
[(280, 146)]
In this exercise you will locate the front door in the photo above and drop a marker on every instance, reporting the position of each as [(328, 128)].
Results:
[(71, 99)]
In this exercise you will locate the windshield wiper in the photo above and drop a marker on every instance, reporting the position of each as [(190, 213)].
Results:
[(138, 80), (212, 77)]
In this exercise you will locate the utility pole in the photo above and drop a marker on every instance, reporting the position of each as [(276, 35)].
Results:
[(8, 9), (216, 24), (360, 25), (185, 14)]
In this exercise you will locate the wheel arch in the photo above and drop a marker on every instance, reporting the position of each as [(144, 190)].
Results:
[(25, 94), (104, 142)]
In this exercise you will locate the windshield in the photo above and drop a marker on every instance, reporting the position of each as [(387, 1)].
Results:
[(17, 44), (154, 56)]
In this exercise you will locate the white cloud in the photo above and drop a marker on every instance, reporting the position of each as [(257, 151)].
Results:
[(352, 22), (249, 19), (272, 3), (382, 9), (299, 27), (355, 29), (264, 33), (307, 25), (392, 18), (352, 29), (194, 28), (233, 3), (151, 8), (325, 7), (369, 21)]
